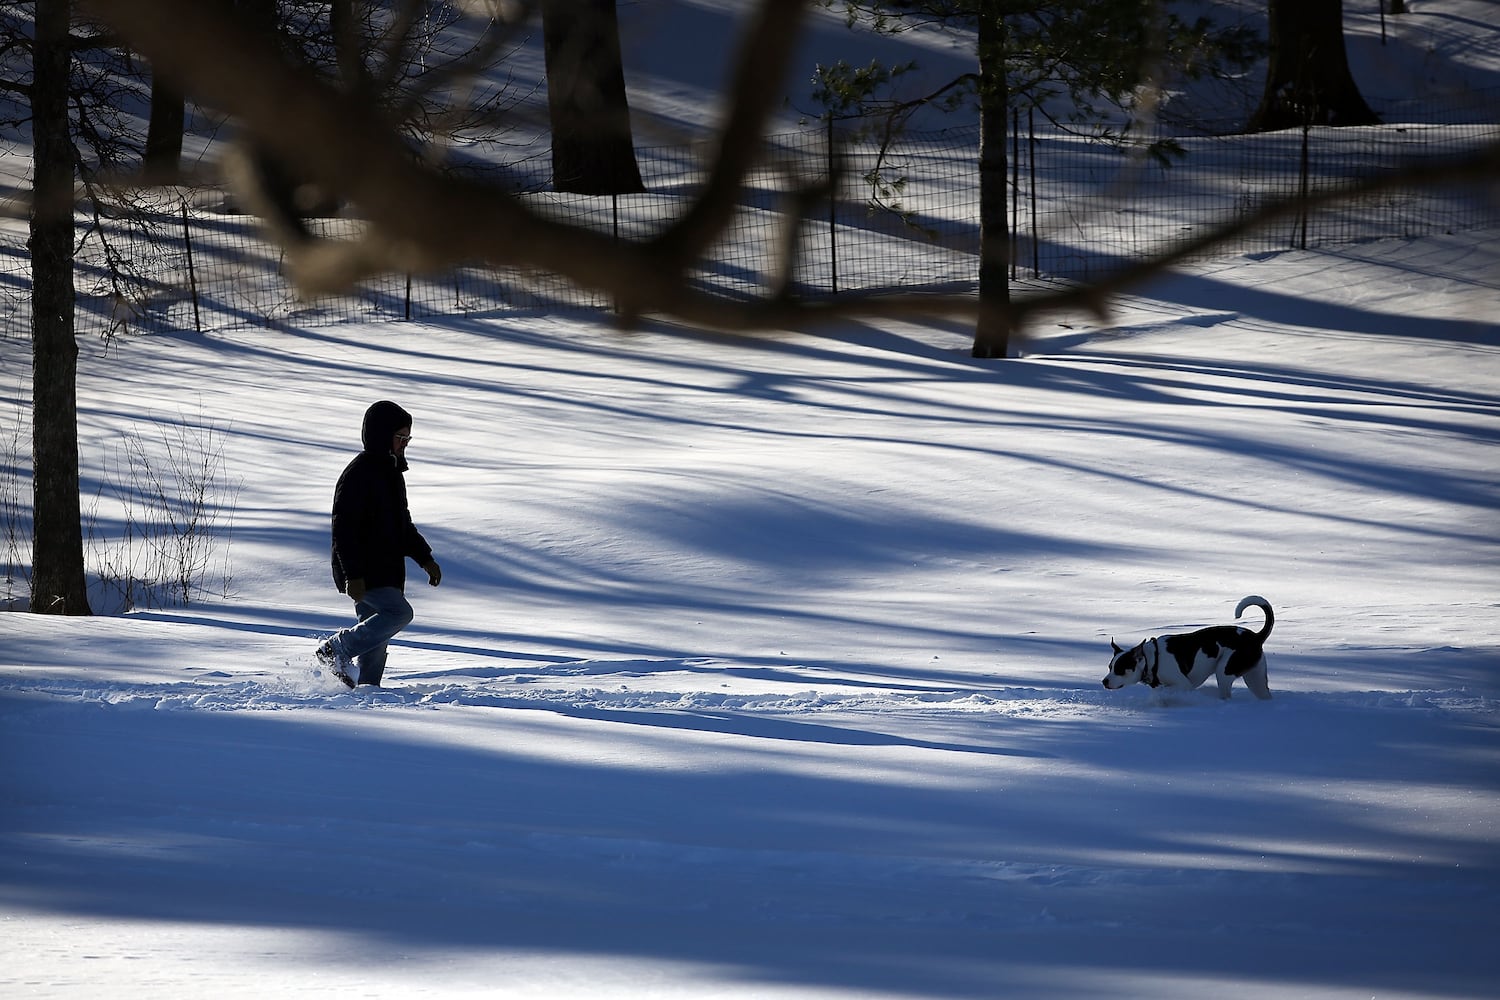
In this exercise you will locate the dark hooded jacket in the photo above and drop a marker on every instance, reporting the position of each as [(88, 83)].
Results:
[(373, 532)]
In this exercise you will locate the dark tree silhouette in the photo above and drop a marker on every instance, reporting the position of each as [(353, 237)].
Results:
[(1308, 80), (58, 584), (592, 149)]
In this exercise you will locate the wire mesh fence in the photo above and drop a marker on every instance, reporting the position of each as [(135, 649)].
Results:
[(905, 217), (1091, 211)]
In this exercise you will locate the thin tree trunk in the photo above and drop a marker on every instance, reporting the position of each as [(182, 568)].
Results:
[(58, 585), (992, 331)]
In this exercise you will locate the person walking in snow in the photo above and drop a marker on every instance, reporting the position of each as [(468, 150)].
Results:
[(373, 536)]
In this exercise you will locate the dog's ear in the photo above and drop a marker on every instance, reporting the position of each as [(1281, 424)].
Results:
[(1115, 646)]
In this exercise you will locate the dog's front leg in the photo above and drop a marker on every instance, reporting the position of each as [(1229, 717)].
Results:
[(1225, 682)]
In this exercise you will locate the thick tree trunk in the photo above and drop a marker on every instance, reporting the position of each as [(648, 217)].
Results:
[(58, 585), (1308, 80), (163, 156), (592, 147), (992, 331)]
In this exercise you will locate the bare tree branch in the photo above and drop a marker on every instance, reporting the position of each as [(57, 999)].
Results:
[(421, 220), (760, 73), (491, 43)]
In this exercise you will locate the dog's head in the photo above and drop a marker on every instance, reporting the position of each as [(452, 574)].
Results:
[(1125, 666)]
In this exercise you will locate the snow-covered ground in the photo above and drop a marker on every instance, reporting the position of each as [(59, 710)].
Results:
[(770, 667)]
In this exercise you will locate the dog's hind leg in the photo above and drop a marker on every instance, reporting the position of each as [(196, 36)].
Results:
[(1256, 681)]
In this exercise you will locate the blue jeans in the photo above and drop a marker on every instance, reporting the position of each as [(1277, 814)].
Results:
[(383, 612)]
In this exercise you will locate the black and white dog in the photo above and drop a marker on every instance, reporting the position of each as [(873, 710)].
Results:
[(1186, 661)]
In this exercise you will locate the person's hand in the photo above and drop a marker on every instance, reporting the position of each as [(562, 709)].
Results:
[(355, 588), (434, 572)]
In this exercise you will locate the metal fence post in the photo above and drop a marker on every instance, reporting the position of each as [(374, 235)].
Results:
[(833, 214), (1303, 182), (1015, 191), (1036, 236), (187, 242)]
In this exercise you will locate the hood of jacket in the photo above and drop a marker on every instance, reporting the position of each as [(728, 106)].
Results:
[(382, 421)]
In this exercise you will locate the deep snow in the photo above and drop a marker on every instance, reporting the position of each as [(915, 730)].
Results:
[(770, 667)]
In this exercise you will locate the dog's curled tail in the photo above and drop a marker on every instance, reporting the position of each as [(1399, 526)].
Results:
[(1264, 605)]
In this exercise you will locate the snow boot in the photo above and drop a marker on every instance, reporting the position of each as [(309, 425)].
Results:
[(331, 655)]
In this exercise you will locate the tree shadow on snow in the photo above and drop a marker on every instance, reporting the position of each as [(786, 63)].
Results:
[(764, 874)]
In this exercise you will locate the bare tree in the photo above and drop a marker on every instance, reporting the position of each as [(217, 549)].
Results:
[(992, 327), (1031, 52), (70, 84), (58, 584)]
